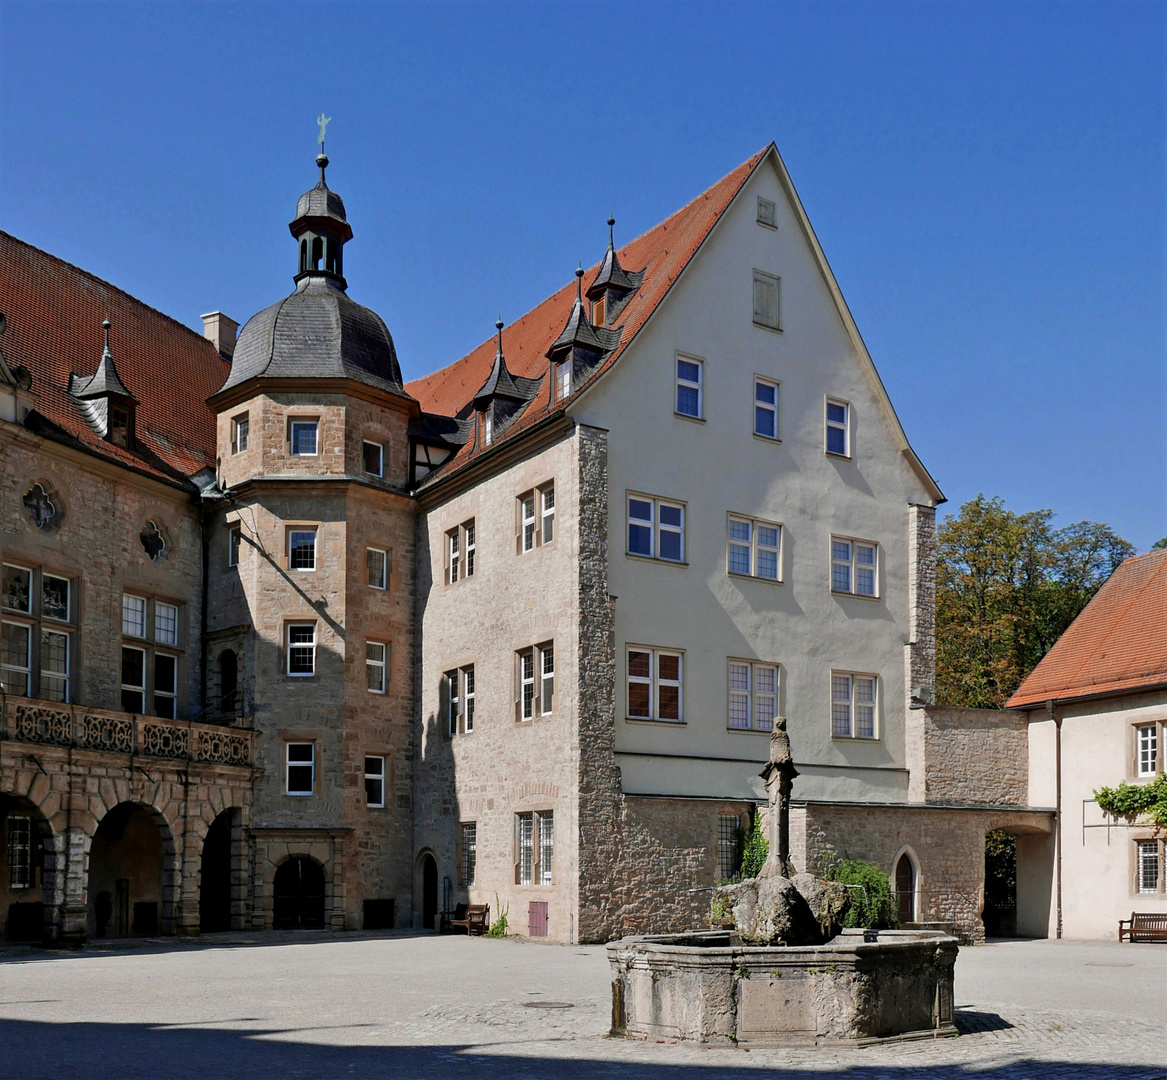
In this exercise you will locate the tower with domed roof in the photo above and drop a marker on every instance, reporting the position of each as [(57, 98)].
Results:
[(311, 580)]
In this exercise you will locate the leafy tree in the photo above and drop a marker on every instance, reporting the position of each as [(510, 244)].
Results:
[(1007, 587), (1159, 544)]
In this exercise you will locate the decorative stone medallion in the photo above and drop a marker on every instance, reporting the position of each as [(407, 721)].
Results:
[(155, 541), (44, 506)]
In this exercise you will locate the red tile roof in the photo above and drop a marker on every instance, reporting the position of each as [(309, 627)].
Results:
[(1117, 644), (662, 252), (54, 312)]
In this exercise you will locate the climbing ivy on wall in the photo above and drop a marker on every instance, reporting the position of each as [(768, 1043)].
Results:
[(1133, 801)]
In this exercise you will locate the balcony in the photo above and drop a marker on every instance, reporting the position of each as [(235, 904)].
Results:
[(80, 727)]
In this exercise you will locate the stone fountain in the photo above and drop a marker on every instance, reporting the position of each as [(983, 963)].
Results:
[(786, 974)]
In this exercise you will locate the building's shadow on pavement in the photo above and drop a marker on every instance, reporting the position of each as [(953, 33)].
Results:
[(32, 1051)]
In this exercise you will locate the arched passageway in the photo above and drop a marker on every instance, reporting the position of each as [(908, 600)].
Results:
[(215, 875), (1000, 910), (24, 885), (429, 891), (126, 889), (905, 878), (299, 895)]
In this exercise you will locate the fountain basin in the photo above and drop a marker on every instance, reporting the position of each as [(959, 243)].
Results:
[(860, 987)]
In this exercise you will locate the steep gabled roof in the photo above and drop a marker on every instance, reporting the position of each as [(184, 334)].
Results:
[(1118, 644), (663, 252), (54, 312)]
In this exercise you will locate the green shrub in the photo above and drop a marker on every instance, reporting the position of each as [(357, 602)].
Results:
[(756, 850), (498, 928), (872, 905)]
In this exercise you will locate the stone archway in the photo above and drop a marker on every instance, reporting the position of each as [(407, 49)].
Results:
[(299, 894), (131, 882), (221, 852), (28, 870)]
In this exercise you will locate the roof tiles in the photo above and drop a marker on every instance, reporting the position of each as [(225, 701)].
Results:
[(1117, 644)]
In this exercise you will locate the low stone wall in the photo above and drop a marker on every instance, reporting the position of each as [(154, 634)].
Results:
[(855, 989)]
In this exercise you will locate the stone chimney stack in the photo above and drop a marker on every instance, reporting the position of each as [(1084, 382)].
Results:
[(219, 330)]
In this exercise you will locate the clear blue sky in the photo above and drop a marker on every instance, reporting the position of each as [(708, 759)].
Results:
[(986, 180)]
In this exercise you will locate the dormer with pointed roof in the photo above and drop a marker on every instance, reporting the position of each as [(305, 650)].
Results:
[(104, 400), (614, 285), (580, 346), (502, 396)]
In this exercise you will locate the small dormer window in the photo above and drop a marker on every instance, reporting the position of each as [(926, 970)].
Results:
[(599, 309), (119, 426), (487, 426), (563, 380)]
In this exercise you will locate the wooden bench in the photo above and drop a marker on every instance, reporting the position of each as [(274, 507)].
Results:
[(1143, 926), (477, 919)]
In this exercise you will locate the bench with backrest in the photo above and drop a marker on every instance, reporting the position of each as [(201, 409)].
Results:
[(1143, 926), (477, 919)]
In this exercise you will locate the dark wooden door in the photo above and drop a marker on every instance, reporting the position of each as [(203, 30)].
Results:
[(429, 892), (299, 895)]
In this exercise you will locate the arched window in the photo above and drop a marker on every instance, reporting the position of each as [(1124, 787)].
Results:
[(303, 255), (317, 252)]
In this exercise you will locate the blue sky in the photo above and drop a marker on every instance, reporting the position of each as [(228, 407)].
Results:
[(987, 181)]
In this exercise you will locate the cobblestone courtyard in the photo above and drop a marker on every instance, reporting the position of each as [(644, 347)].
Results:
[(414, 1006)]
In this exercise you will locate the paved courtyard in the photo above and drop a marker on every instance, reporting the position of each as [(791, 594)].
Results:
[(402, 1006)]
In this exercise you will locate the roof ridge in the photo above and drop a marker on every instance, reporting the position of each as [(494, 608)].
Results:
[(108, 284)]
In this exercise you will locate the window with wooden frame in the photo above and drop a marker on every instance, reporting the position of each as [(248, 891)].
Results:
[(377, 567), (600, 311), (534, 847), (754, 548), (535, 518), (458, 699), (656, 528), (655, 684), (151, 659), (753, 695), (562, 380), (767, 300), (535, 681), (854, 566), (373, 458), (375, 782), (460, 552), (767, 213), (38, 628), (765, 408), (853, 705), (240, 433), (377, 666)]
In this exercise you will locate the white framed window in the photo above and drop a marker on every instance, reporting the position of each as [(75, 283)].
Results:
[(469, 865), (461, 549), (535, 843), (563, 380), (1147, 750), (753, 695), (535, 518), (240, 431), (133, 679), (450, 689), (854, 566), (377, 567), (376, 666), (656, 528), (468, 697), (133, 615), (21, 864), (767, 213), (165, 623), (374, 782), (302, 548), (301, 649), (853, 704), (765, 408), (303, 437), (1148, 867), (55, 598), (838, 419), (487, 426), (655, 684), (234, 544), (300, 768), (17, 589), (373, 455), (535, 681), (459, 697), (690, 396), (767, 300), (16, 659), (754, 548)]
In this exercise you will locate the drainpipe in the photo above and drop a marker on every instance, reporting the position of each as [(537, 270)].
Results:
[(205, 529), (1051, 708)]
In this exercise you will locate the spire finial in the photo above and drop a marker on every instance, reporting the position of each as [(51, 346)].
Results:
[(498, 326), (322, 157), (105, 325), (611, 222), (579, 273)]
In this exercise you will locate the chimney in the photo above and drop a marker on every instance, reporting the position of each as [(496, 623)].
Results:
[(219, 330)]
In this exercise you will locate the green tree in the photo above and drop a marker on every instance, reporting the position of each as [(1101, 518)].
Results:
[(1007, 587), (1159, 544)]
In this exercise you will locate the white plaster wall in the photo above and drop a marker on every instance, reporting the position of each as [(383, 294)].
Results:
[(718, 466), (1098, 865)]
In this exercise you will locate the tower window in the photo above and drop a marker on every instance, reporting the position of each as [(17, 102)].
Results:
[(317, 252)]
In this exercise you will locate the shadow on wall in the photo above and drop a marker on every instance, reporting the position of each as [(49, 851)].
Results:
[(33, 1051)]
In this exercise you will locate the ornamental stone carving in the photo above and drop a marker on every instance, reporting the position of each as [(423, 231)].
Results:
[(44, 506), (223, 748), (164, 741), (52, 726), (106, 733)]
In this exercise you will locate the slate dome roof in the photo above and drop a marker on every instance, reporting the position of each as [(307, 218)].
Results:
[(316, 332)]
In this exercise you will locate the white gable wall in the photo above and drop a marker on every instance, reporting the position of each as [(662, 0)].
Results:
[(717, 467)]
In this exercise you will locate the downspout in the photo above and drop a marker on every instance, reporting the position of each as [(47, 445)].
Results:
[(1051, 707), (206, 542)]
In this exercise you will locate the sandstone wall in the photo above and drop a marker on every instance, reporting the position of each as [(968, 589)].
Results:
[(975, 756)]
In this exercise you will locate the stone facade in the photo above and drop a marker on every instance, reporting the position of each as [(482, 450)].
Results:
[(975, 756)]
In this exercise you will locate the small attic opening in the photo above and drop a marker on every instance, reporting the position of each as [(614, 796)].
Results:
[(120, 431)]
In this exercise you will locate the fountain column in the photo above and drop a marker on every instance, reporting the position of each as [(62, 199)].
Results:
[(779, 774)]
